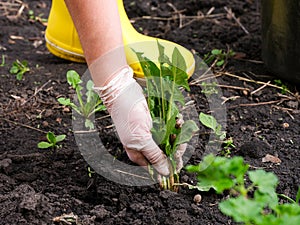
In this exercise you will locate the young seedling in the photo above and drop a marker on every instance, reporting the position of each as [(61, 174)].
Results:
[(33, 17), (256, 203), (284, 88), (19, 68), (52, 140), (209, 88), (3, 61), (218, 57), (89, 101), (164, 82), (210, 122)]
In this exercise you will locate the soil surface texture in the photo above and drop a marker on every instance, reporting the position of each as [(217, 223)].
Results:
[(54, 186)]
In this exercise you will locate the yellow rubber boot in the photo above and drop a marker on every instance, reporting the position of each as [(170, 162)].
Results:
[(62, 40)]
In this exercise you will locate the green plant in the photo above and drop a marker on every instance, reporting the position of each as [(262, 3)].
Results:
[(209, 88), (218, 57), (210, 122), (88, 100), (39, 17), (227, 146), (3, 61), (164, 82), (284, 88), (19, 68), (254, 203), (52, 140)]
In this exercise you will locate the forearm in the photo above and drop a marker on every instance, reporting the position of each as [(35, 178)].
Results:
[(98, 26)]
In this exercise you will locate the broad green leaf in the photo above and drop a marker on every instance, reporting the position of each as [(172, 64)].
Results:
[(220, 62), (216, 51), (51, 137), (60, 137), (180, 77), (265, 181), (288, 209), (73, 78), (64, 101), (44, 144), (241, 209), (188, 129), (266, 199), (219, 173), (14, 69), (208, 121), (19, 76), (162, 57)]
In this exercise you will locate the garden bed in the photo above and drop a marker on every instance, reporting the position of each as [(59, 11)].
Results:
[(36, 186)]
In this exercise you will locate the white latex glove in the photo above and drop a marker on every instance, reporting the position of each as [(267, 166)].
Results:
[(127, 106)]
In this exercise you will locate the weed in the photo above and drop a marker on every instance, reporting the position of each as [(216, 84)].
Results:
[(218, 57), (256, 203), (164, 96), (209, 88), (19, 68), (52, 140), (2, 61), (88, 102), (284, 88)]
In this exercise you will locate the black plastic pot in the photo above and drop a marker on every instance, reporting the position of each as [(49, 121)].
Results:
[(281, 38)]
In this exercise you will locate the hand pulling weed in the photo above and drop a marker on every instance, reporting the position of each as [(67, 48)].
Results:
[(164, 96), (89, 101)]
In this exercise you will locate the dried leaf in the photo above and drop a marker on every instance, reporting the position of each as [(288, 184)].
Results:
[(271, 158)]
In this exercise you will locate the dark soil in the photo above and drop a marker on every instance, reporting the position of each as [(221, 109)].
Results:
[(38, 185)]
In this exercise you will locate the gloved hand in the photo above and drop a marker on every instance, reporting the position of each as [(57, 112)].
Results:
[(127, 106)]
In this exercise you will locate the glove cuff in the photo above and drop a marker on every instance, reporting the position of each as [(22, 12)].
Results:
[(109, 92)]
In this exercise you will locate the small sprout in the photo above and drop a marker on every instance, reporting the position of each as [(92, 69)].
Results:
[(218, 57), (90, 172), (3, 61), (197, 199), (19, 68), (209, 88), (284, 88), (89, 101), (52, 140)]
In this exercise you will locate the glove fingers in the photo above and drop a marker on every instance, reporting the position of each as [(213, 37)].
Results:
[(178, 156), (137, 157)]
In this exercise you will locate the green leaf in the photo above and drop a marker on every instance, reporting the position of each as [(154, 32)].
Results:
[(19, 76), (60, 137), (265, 181), (44, 144), (51, 137), (208, 121), (64, 101), (14, 69), (180, 76), (73, 78), (188, 129), (220, 62), (241, 209), (216, 51), (219, 173)]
